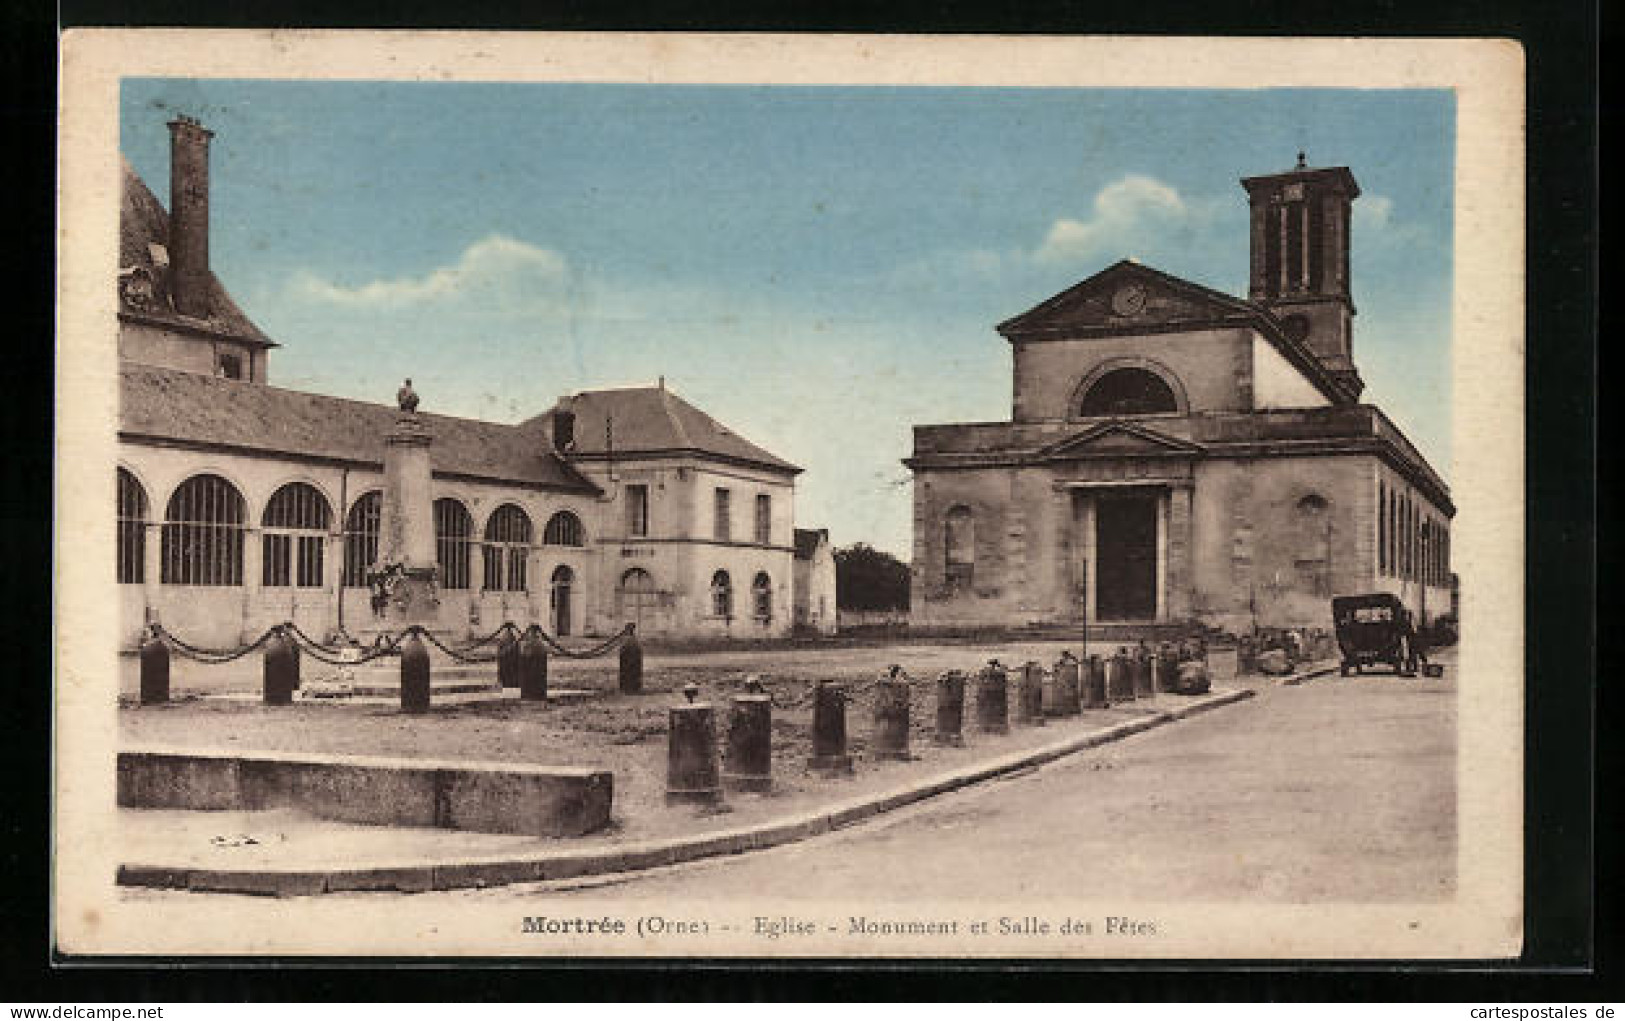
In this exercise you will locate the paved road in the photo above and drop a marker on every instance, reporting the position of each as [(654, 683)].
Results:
[(1334, 790)]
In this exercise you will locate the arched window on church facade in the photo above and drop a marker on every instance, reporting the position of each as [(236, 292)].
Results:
[(1314, 545), (958, 548), (453, 534), (132, 530), (1128, 391), (204, 526), (294, 537), (361, 528), (507, 545)]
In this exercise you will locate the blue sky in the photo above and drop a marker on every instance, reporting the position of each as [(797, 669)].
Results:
[(819, 268)]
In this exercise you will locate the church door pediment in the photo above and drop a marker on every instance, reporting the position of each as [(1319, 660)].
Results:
[(1128, 298), (1119, 440)]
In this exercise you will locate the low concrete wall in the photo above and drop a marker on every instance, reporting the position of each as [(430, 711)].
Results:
[(487, 797)]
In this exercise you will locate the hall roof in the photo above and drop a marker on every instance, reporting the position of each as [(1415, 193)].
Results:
[(807, 540), (174, 407), (143, 244), (651, 420)]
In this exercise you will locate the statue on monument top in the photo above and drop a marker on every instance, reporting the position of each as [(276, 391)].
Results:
[(407, 397)]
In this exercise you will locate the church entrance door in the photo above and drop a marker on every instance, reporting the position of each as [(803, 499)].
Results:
[(1126, 549)]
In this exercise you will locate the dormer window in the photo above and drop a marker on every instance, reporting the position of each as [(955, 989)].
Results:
[(229, 366)]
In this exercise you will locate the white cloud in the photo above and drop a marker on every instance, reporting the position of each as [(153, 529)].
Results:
[(1125, 211), (496, 268), (1373, 212)]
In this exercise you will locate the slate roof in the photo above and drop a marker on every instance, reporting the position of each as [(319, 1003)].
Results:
[(807, 540), (143, 223), (171, 405), (653, 420)]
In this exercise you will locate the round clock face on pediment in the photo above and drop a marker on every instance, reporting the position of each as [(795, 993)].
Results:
[(1129, 300)]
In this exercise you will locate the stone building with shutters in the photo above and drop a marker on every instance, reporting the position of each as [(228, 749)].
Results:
[(240, 504), (1179, 455)]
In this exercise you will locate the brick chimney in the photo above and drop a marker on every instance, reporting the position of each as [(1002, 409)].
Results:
[(189, 216)]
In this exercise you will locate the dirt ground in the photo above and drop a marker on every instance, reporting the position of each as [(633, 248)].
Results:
[(627, 734)]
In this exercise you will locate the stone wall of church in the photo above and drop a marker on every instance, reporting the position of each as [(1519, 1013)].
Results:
[(1275, 538), (1213, 369), (1000, 520)]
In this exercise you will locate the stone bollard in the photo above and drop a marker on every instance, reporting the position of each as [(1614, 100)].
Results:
[(154, 669), (280, 672), (1119, 680), (950, 709), (1246, 656), (747, 763), (631, 663), (1144, 686), (1064, 690), (1094, 684), (533, 666), (508, 660), (414, 674), (992, 699), (829, 730), (890, 739), (691, 753), (1030, 695), (1165, 668)]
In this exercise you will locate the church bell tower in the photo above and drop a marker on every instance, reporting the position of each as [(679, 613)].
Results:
[(1300, 260)]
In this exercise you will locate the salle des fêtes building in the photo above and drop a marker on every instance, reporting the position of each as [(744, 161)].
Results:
[(1176, 454), (240, 504)]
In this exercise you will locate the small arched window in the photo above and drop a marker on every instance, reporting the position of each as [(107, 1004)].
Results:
[(453, 533), (507, 544), (1128, 391), (563, 529), (959, 547), (361, 527), (761, 597), (132, 530), (294, 539), (722, 595), (204, 526)]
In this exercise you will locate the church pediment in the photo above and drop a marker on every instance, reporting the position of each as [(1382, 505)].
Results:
[(1119, 440), (1128, 298)]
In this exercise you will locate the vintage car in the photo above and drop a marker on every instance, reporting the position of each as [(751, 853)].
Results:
[(1372, 629)]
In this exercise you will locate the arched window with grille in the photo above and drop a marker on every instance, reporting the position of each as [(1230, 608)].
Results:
[(453, 534), (361, 528), (722, 595), (507, 545), (1313, 559), (132, 530), (1128, 391), (563, 529), (204, 525), (761, 597), (294, 537), (959, 548)]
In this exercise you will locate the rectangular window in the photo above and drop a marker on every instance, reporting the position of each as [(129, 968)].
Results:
[(722, 512), (231, 366), (637, 510), (1382, 528), (764, 520), (1272, 251), (1294, 247)]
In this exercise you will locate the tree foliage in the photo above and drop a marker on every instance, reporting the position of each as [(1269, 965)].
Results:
[(869, 579)]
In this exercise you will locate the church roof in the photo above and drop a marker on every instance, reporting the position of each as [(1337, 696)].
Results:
[(143, 248), (187, 408), (1163, 303), (652, 420)]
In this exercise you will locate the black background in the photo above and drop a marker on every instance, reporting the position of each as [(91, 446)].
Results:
[(1569, 946)]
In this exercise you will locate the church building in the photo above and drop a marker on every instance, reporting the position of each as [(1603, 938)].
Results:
[(241, 504), (1176, 455)]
